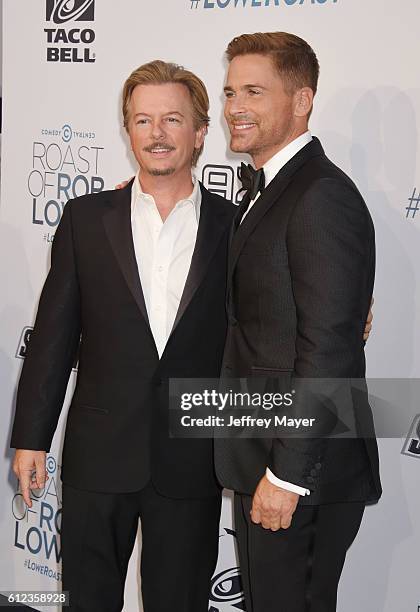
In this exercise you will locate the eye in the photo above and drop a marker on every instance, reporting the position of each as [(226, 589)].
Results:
[(254, 92), (141, 121), (228, 94), (173, 120)]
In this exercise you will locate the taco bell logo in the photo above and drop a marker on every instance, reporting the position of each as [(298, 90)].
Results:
[(226, 590), (65, 42), (62, 11), (226, 593)]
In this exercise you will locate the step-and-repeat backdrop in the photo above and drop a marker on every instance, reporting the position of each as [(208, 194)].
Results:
[(64, 63)]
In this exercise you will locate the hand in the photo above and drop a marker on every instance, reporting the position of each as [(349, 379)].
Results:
[(122, 185), (273, 506), (30, 467), (368, 326)]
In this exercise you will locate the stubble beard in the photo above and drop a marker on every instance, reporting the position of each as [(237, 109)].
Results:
[(161, 171)]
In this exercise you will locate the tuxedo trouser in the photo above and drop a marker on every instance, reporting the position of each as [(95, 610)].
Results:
[(295, 569), (179, 549)]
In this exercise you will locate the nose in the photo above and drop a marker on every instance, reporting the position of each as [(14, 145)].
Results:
[(157, 130)]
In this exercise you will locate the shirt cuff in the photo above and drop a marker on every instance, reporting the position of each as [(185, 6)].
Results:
[(285, 485)]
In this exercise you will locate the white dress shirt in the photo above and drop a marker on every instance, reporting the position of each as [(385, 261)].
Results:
[(163, 252), (271, 168)]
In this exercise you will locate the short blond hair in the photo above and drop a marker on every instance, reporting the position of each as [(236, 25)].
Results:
[(159, 72)]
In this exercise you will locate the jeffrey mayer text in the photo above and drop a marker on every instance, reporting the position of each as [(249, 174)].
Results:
[(247, 421)]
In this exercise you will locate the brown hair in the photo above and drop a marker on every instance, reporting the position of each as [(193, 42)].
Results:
[(159, 72), (294, 59)]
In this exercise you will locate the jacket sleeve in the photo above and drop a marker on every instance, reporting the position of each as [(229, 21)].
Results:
[(331, 250), (52, 347)]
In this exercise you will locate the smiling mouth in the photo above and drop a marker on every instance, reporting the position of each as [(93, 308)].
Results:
[(157, 151), (242, 127)]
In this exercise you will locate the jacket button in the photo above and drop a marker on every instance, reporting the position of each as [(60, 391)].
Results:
[(310, 479), (318, 466), (314, 472)]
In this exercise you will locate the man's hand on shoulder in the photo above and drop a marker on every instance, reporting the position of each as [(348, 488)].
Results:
[(272, 506), (122, 185), (30, 467)]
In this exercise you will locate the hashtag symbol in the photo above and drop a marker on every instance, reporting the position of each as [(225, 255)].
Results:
[(413, 207), (194, 3)]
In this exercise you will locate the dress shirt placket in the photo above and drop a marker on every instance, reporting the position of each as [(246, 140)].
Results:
[(162, 252)]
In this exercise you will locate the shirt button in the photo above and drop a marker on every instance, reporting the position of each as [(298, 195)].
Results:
[(160, 268)]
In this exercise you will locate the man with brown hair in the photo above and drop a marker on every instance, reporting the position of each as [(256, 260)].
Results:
[(134, 274), (300, 280)]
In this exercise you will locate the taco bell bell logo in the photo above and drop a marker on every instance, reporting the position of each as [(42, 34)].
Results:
[(67, 43), (61, 11)]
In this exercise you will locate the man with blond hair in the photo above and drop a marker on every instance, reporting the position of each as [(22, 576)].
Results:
[(300, 280), (138, 278)]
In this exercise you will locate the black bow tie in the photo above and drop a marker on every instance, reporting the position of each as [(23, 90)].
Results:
[(252, 180)]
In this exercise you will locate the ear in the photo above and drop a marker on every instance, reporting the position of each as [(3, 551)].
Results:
[(200, 136), (303, 100)]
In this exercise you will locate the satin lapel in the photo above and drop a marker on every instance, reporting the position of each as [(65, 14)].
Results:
[(214, 221), (270, 196), (117, 222)]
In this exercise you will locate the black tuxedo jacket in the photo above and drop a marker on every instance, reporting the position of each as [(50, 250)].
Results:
[(300, 280), (116, 436)]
